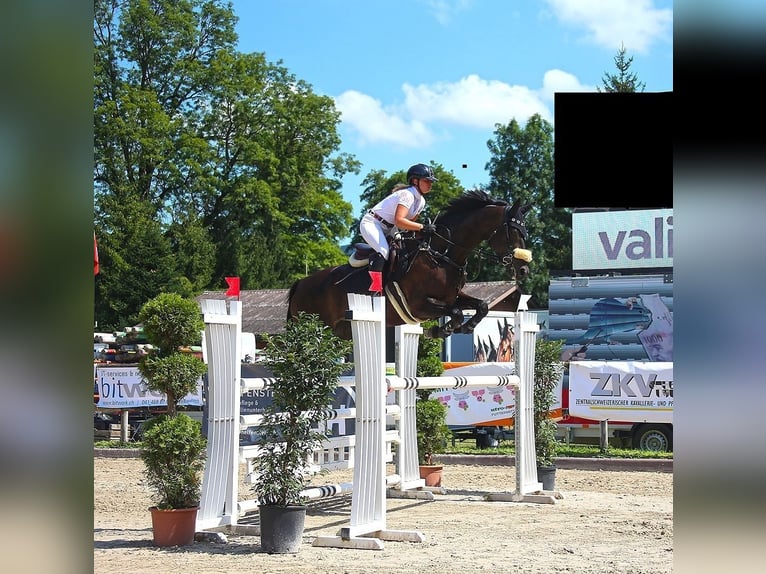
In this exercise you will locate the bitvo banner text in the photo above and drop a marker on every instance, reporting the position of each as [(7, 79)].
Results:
[(125, 388)]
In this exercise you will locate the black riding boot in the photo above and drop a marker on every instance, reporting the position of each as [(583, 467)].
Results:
[(377, 262)]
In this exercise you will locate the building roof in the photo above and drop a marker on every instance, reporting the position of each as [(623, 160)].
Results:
[(500, 295), (265, 310)]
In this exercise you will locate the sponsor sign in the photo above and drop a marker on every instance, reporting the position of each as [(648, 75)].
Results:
[(471, 405), (125, 388), (622, 239), (630, 391)]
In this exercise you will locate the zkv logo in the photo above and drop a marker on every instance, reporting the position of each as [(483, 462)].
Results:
[(630, 385)]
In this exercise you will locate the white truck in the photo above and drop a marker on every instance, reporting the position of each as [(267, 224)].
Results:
[(618, 343)]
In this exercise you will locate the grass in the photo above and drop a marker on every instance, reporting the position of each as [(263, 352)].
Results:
[(115, 444), (564, 450), (505, 448)]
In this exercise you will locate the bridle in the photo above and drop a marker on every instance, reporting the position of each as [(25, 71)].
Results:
[(515, 221), (512, 219)]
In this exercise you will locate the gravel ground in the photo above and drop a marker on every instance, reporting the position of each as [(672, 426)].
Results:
[(607, 521)]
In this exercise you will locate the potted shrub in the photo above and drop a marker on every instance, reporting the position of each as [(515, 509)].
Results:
[(430, 414), (172, 448), (548, 372), (306, 362), (432, 434)]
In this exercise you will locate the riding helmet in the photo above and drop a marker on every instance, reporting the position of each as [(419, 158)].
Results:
[(422, 171)]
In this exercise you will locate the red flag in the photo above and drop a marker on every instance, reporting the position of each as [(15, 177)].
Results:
[(376, 281), (95, 255), (233, 290)]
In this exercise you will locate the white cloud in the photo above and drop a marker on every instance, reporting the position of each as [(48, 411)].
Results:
[(444, 10), (636, 24), (444, 107), (473, 102), (374, 124), (560, 81)]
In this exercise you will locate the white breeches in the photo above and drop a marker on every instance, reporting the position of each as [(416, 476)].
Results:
[(374, 234)]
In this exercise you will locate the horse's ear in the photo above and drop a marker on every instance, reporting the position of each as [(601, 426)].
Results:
[(523, 211)]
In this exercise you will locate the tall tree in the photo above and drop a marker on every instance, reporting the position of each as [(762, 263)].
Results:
[(225, 155), (521, 167), (623, 81)]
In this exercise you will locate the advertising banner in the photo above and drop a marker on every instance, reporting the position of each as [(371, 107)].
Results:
[(631, 391), (125, 388), (622, 239), (472, 405)]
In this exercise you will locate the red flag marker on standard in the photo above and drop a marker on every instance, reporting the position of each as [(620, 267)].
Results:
[(95, 255), (233, 283), (376, 281)]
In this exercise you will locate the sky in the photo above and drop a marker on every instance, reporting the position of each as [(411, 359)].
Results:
[(428, 80)]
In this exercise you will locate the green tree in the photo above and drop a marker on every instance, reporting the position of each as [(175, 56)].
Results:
[(195, 250), (137, 262), (306, 362), (223, 154), (173, 447), (521, 167), (623, 81), (170, 322)]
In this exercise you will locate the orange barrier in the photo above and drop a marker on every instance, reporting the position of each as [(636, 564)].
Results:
[(454, 365)]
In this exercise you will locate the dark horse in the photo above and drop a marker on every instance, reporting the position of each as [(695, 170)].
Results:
[(425, 274)]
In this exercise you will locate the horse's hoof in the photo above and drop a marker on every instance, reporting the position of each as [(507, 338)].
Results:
[(433, 333)]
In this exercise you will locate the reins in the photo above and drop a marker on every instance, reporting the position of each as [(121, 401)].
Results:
[(509, 221)]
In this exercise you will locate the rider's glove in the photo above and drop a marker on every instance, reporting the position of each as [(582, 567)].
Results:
[(428, 228)]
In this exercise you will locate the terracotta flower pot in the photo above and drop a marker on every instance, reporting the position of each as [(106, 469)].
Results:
[(432, 474), (175, 527)]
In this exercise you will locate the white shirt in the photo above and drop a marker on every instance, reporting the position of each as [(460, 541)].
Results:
[(409, 197)]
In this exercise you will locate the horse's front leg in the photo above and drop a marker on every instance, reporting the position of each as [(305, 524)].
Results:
[(455, 319), (481, 307)]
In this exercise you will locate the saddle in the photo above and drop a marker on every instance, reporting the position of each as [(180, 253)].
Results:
[(396, 265), (400, 258), (360, 256)]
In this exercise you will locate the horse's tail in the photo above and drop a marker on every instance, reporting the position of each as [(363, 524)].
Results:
[(290, 294)]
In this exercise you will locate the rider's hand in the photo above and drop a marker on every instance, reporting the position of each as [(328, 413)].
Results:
[(428, 228)]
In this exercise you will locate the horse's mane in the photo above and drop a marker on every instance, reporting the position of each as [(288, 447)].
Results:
[(469, 201)]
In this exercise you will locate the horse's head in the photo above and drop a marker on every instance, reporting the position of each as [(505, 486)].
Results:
[(505, 344), (509, 241)]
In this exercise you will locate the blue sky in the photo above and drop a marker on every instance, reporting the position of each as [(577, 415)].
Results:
[(427, 80)]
